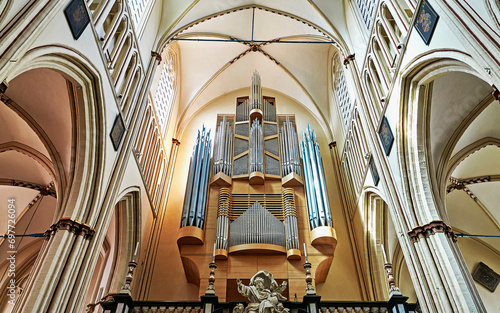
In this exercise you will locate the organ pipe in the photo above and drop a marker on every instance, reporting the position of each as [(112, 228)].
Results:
[(256, 147), (256, 92), (289, 145), (290, 213), (224, 207), (243, 112), (269, 111), (195, 200), (317, 197), (223, 148)]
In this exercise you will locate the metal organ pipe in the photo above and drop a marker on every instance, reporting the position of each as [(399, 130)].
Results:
[(317, 197), (290, 213), (289, 149), (224, 207), (256, 147), (223, 150), (269, 111), (195, 200), (256, 92)]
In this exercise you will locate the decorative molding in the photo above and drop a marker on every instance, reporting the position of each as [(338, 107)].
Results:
[(349, 58), (71, 225), (45, 190), (3, 87), (157, 56), (430, 229), (495, 93)]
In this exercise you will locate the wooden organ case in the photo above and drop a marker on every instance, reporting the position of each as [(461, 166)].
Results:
[(265, 197)]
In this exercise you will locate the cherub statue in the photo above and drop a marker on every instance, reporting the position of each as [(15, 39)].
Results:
[(263, 293)]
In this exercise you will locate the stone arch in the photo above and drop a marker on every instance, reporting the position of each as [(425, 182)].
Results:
[(419, 146), (77, 177), (116, 246)]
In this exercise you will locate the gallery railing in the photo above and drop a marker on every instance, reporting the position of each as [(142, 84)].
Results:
[(122, 303)]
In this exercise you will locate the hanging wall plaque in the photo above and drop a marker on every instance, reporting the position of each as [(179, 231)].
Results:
[(426, 21), (77, 16)]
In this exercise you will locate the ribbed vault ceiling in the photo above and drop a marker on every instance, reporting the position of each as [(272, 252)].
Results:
[(213, 60)]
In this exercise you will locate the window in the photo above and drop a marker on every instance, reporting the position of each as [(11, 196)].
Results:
[(367, 9), (137, 8), (165, 92), (345, 102)]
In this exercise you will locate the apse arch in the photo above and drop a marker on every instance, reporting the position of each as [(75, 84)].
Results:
[(244, 91)]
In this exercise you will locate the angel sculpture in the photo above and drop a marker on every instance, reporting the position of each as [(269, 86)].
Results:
[(263, 293)]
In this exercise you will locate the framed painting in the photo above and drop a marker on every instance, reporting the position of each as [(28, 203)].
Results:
[(486, 276), (77, 16), (386, 136), (426, 21), (373, 170), (117, 132)]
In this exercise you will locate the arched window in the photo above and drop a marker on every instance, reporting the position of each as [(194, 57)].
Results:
[(165, 93), (367, 9), (345, 102), (137, 8)]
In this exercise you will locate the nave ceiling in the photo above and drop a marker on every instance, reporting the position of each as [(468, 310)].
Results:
[(299, 70)]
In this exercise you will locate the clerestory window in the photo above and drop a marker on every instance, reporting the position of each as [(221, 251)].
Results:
[(165, 92), (367, 9)]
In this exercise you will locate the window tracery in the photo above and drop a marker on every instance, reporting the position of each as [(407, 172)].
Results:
[(137, 8), (367, 9), (165, 92)]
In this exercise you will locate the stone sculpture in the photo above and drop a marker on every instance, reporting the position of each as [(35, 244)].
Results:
[(264, 294)]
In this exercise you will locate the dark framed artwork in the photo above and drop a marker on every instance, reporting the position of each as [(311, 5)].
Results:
[(426, 21), (77, 16), (386, 136), (373, 170), (117, 132), (486, 276)]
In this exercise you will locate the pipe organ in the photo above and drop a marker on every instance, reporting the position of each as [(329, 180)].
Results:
[(193, 213), (272, 180)]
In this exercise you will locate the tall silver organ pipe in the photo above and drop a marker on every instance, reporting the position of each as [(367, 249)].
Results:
[(256, 147), (224, 207), (257, 225), (193, 213), (223, 148), (317, 197), (289, 145), (243, 111), (269, 111), (256, 92), (290, 213)]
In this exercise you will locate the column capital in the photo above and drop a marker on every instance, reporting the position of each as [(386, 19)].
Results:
[(349, 58), (157, 56), (73, 226), (176, 141), (430, 229)]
